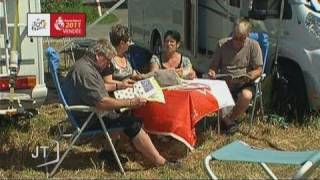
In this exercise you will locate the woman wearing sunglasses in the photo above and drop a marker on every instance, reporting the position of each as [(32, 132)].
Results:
[(120, 72)]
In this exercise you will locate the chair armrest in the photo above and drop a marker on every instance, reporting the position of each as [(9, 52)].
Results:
[(259, 79), (80, 108)]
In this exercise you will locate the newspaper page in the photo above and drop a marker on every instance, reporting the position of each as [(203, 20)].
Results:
[(147, 88)]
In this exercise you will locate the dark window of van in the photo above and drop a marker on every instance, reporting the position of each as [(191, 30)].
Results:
[(275, 6), (235, 3), (270, 8)]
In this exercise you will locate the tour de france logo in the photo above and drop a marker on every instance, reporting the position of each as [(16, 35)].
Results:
[(39, 24), (59, 24)]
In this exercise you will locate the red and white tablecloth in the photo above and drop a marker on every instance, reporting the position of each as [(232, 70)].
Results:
[(185, 106)]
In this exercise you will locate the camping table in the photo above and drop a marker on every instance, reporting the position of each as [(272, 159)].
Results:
[(183, 109)]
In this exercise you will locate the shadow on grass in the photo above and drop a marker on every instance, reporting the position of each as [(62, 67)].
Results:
[(20, 160), (207, 124), (80, 158)]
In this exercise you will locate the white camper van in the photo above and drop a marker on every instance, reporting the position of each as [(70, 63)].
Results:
[(25, 70), (203, 22)]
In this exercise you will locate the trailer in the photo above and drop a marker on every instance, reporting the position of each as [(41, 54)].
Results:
[(295, 37), (22, 84)]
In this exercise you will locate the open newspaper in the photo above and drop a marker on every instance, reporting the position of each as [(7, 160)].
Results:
[(147, 88), (240, 77)]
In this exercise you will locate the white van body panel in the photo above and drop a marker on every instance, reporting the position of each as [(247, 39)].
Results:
[(30, 52), (296, 42), (143, 20)]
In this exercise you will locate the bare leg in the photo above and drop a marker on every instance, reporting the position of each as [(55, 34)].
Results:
[(114, 137), (144, 144), (242, 104)]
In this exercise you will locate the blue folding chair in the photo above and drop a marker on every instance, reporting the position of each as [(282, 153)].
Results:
[(54, 60), (263, 40), (241, 152)]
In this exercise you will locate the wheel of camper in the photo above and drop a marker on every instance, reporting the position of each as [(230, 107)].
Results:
[(289, 91)]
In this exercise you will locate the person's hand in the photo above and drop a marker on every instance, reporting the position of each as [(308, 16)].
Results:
[(179, 71), (127, 83), (251, 77), (137, 77), (192, 75), (212, 74), (137, 102)]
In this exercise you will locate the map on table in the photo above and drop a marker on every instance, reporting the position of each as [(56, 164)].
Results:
[(147, 88)]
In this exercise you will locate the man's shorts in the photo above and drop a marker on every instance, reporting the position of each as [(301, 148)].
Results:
[(235, 89)]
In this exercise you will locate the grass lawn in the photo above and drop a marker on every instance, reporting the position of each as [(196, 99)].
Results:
[(18, 142), (76, 6)]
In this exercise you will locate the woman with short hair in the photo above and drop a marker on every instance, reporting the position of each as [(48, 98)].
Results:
[(121, 72)]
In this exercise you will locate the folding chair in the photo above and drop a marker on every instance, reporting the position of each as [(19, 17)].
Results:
[(242, 152), (263, 40), (53, 60)]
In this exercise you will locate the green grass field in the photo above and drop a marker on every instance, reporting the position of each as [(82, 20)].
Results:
[(18, 142)]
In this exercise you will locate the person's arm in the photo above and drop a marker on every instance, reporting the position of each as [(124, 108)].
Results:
[(109, 103), (110, 80), (154, 67), (136, 76), (109, 83), (256, 62), (154, 63), (214, 66), (191, 72), (215, 62), (112, 85), (255, 73)]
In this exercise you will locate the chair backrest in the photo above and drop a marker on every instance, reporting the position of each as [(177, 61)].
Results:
[(54, 62), (263, 40)]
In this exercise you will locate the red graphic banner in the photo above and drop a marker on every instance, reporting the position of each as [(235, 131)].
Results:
[(67, 25)]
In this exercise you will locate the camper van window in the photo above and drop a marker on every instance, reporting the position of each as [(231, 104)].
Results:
[(287, 13), (235, 3), (269, 8)]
